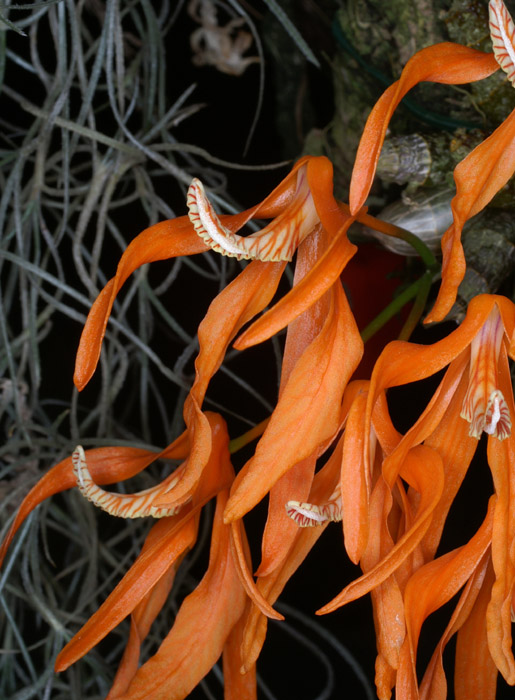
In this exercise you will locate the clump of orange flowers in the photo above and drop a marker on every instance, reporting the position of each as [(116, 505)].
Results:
[(391, 491)]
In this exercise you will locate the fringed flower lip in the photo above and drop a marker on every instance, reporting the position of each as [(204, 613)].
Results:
[(482, 173), (277, 241), (124, 505)]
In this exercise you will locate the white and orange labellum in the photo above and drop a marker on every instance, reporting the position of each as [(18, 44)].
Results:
[(484, 405), (310, 515), (502, 31), (134, 505), (277, 241)]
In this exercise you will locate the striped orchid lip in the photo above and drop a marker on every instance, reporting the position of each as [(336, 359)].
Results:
[(277, 241), (124, 505), (502, 32), (310, 515), (484, 406)]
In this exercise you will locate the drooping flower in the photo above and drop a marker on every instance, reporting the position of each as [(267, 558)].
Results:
[(323, 348), (482, 173), (404, 527)]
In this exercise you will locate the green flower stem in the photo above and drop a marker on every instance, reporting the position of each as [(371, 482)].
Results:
[(389, 229), (424, 285), (397, 304)]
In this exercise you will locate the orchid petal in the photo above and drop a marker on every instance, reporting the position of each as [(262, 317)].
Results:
[(478, 178), (142, 618), (475, 673), (434, 684), (501, 458), (165, 240), (429, 589), (200, 630), (277, 241), (238, 685), (452, 442), (107, 464), (443, 63), (173, 539), (307, 413), (423, 470), (355, 482)]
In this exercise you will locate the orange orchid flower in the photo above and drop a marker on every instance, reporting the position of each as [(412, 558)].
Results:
[(302, 204), (482, 173), (323, 348), (394, 533)]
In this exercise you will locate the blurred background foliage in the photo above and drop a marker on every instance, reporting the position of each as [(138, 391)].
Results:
[(108, 109)]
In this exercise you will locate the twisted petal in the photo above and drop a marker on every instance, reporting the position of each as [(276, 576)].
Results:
[(443, 63), (434, 684), (429, 589), (308, 411), (201, 628), (475, 673), (167, 239), (423, 470), (170, 539), (269, 587), (478, 178), (142, 618), (501, 458), (167, 541)]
